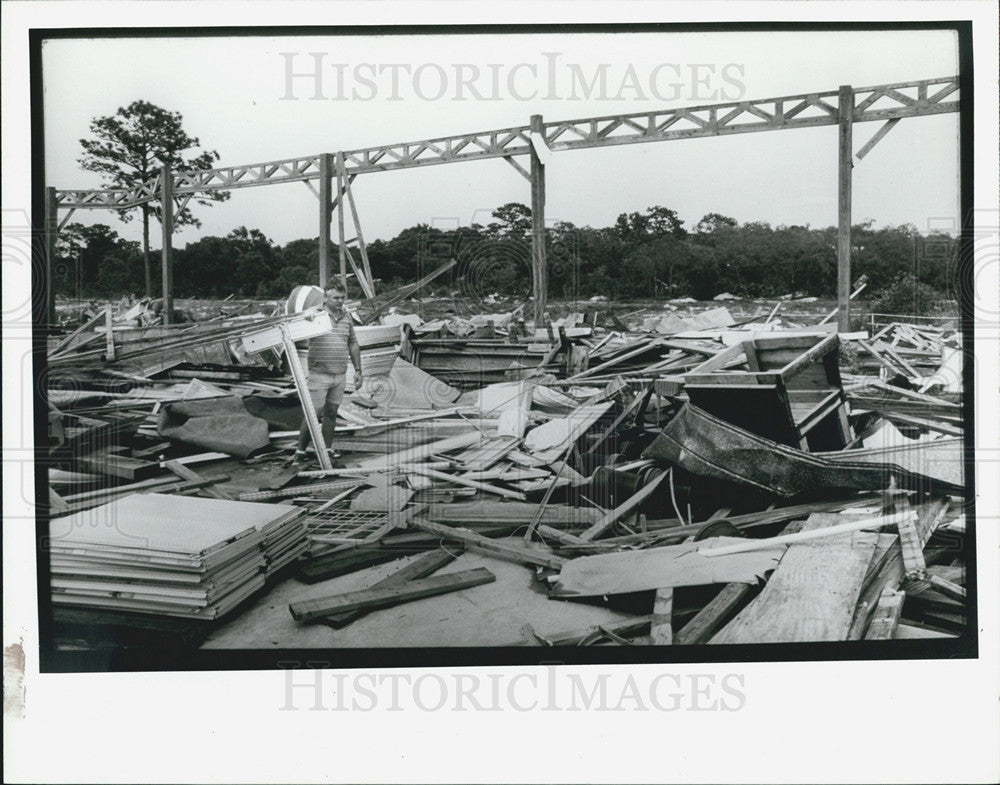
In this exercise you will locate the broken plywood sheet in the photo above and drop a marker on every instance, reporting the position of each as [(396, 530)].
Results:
[(408, 387), (507, 402), (666, 567), (551, 400), (482, 456), (549, 441), (671, 324), (812, 594), (949, 375), (495, 398), (381, 498)]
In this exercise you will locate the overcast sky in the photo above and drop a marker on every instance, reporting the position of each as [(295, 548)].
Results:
[(235, 94)]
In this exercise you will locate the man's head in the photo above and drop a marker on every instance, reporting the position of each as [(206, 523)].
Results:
[(335, 297)]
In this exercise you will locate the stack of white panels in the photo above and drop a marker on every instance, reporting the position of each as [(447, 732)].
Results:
[(284, 539), (172, 555)]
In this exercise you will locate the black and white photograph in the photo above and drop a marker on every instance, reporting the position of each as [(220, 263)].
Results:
[(596, 378)]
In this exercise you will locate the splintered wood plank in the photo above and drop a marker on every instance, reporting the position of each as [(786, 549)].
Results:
[(947, 588), (189, 474), (889, 572), (721, 608), (718, 611), (885, 560), (458, 480), (104, 462), (56, 502), (483, 456), (663, 611), (624, 509), (495, 547), (886, 619), (369, 599), (563, 538), (421, 567), (626, 629), (812, 594), (912, 548)]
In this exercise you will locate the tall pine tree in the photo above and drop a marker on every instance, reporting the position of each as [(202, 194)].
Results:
[(129, 147)]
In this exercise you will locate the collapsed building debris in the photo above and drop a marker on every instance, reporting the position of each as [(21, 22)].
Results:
[(659, 479)]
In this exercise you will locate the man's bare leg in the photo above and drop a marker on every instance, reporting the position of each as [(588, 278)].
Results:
[(329, 424)]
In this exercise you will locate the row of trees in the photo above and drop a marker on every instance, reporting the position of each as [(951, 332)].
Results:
[(648, 254)]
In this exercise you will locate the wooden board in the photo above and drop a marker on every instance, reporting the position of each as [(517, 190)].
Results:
[(665, 567), (549, 440), (887, 612), (719, 610), (887, 568), (812, 594), (625, 629), (491, 511), (503, 549), (306, 609), (104, 462), (185, 473), (482, 456), (630, 504), (660, 628), (421, 567)]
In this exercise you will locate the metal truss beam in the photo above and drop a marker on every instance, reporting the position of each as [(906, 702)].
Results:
[(879, 103)]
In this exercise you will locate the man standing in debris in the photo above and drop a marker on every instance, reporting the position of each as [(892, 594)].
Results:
[(327, 364)]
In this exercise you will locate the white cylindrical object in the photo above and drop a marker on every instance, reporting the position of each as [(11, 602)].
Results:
[(303, 298), (784, 539)]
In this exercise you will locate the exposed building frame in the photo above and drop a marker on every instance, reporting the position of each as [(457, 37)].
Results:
[(888, 103)]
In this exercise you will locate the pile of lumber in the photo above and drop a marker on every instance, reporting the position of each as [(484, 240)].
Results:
[(616, 469)]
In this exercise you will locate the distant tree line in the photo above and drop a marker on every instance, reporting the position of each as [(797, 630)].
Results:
[(643, 255)]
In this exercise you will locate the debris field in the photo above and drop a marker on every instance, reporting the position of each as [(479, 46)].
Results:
[(662, 477)]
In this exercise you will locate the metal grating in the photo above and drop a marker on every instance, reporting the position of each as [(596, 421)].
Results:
[(339, 527)]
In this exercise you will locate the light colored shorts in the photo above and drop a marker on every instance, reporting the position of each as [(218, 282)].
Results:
[(326, 388)]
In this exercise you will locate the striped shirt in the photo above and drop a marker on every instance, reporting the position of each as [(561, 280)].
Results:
[(330, 352)]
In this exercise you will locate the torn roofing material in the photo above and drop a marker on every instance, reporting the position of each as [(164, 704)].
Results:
[(707, 446)]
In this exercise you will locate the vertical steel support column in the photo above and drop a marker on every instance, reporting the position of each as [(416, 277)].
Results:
[(340, 221), (51, 233), (539, 271), (845, 156), (167, 223), (325, 216)]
